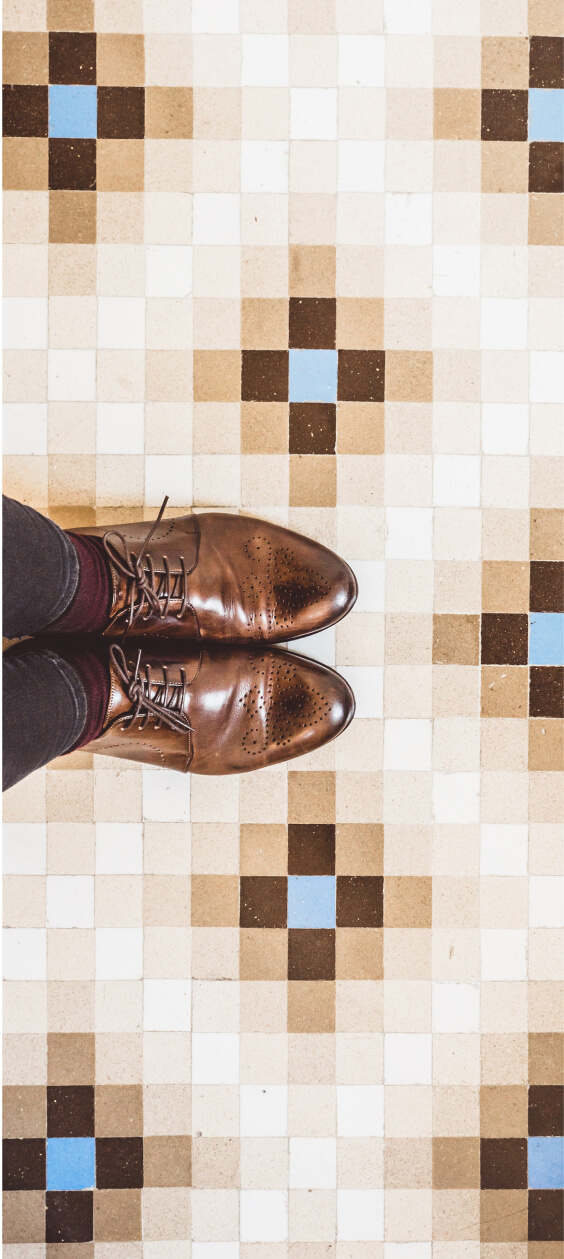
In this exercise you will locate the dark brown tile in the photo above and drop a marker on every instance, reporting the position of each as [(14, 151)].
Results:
[(72, 57), (361, 376), (312, 323), (546, 1215), (264, 376), (311, 954), (72, 164), (69, 1216), (546, 1057), (167, 1162), (546, 1110), (70, 1058), (263, 901), (311, 849), (24, 1110), (546, 61), (546, 691), (546, 166), (505, 638), (119, 1162), (313, 427), (23, 1163), (504, 114), (360, 900), (547, 586), (70, 1111), (503, 1163), (456, 1162), (121, 113), (25, 110), (456, 639)]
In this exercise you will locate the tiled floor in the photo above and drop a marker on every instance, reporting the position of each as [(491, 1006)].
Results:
[(302, 260)]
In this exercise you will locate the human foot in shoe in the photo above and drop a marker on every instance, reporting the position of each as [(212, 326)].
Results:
[(208, 709), (214, 576)]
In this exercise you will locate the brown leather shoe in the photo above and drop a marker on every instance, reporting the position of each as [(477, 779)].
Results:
[(225, 578), (219, 710)]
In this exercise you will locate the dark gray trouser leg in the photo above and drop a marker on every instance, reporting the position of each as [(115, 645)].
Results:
[(44, 711), (40, 570)]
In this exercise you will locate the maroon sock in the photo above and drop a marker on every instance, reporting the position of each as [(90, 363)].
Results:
[(89, 610), (90, 662)]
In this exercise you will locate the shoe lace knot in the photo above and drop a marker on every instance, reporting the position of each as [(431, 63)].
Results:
[(150, 592), (150, 696)]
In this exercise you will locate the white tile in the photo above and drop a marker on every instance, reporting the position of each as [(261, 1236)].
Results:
[(264, 1215), (313, 1163), (456, 270), (24, 953), (546, 901), (169, 270), (24, 323), (456, 1007), (204, 1250), (264, 165), (367, 682), (505, 428), (456, 480), (408, 1058), (119, 848), (360, 1215), (264, 1110), (313, 113), (407, 744), (70, 900), (409, 533), (360, 1110), (120, 428), (503, 849), (319, 646), (215, 1058), (503, 954), (361, 165), (361, 60), (407, 17), (456, 797), (71, 375), (547, 376), (166, 1005), (121, 323), (168, 475), (166, 796), (264, 60), (409, 218), (503, 323), (24, 847), (119, 953), (371, 579), (216, 218), (25, 428), (215, 17)]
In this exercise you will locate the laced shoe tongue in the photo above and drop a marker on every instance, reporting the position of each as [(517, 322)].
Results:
[(139, 689)]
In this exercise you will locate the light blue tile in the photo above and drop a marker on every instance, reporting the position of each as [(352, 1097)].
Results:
[(313, 376), (546, 1162), (546, 113), (311, 901), (546, 638), (72, 111), (71, 1162)]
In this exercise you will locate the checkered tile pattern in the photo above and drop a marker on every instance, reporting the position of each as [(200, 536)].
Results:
[(302, 261)]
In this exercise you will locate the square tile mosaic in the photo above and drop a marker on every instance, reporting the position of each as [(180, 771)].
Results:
[(301, 259)]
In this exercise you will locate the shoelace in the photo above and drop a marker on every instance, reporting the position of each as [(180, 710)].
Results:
[(149, 592), (167, 708)]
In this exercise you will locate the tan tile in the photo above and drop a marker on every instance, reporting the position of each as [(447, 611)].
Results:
[(546, 744), (505, 166), (456, 1162), (215, 900), (217, 375), (503, 1215), (168, 113), (264, 323), (263, 848), (120, 165), (215, 1163), (360, 323), (547, 534), (360, 428), (311, 797), (167, 1161), (72, 217), (119, 1110), (546, 1057), (505, 586), (25, 57), (72, 270), (407, 901), (546, 219), (312, 271), (120, 60), (313, 481), (24, 1111), (23, 1217), (70, 15), (70, 1058), (311, 1006), (456, 640), (359, 953), (505, 62), (504, 691), (264, 428), (359, 848), (117, 1215), (503, 1111), (545, 17), (25, 162), (456, 114), (263, 954)]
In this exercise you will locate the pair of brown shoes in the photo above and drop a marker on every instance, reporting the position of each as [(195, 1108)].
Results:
[(203, 689)]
